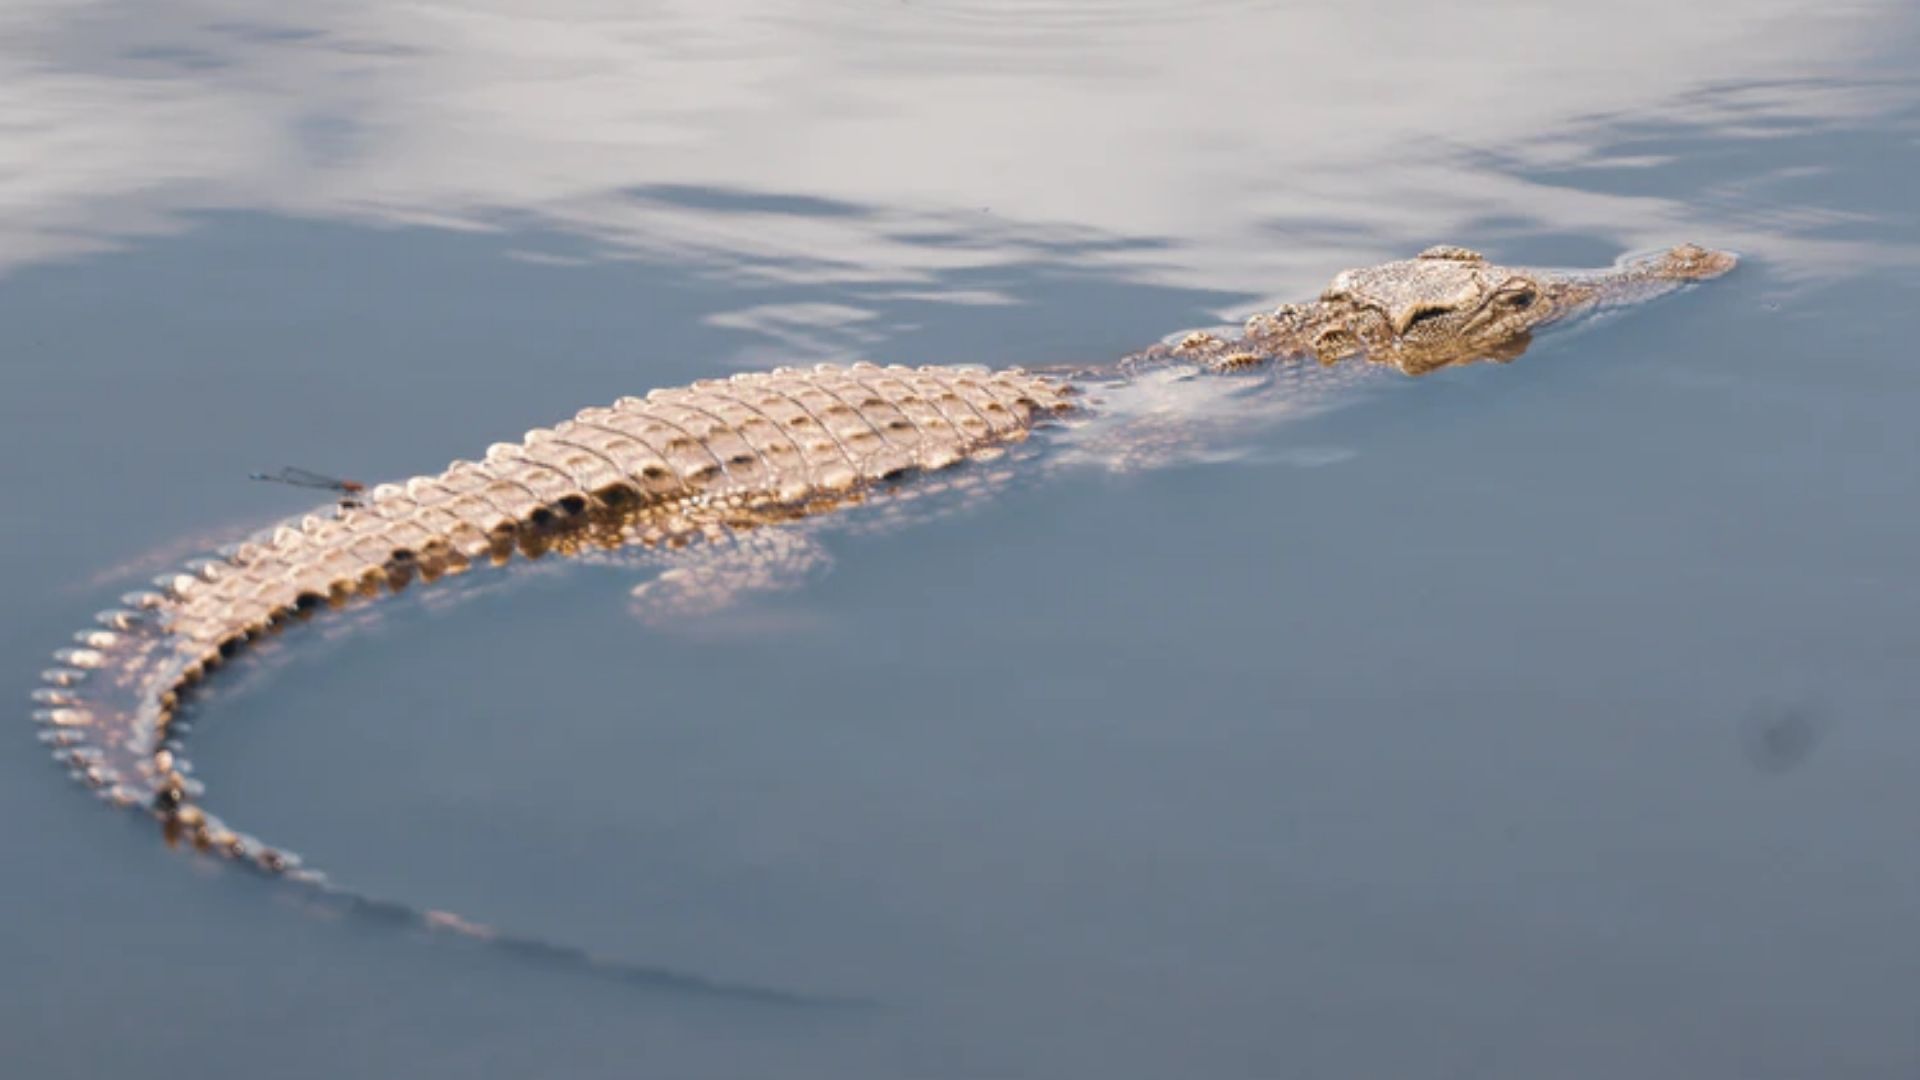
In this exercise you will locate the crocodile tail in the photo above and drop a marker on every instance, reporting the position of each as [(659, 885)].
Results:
[(105, 708), (108, 711)]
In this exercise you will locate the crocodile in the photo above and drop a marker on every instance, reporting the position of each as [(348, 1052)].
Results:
[(720, 465)]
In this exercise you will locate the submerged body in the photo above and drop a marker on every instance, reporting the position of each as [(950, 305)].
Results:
[(720, 463)]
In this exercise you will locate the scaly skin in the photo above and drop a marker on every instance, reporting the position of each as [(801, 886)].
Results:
[(677, 465), (717, 459)]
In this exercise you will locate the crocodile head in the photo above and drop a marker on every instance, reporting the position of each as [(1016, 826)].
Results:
[(1449, 305)]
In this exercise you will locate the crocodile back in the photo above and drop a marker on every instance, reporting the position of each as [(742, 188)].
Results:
[(715, 457)]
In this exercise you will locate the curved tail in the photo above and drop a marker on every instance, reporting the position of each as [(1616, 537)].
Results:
[(108, 710)]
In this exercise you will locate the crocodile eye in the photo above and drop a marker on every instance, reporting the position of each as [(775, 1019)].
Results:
[(1519, 299), (1425, 315)]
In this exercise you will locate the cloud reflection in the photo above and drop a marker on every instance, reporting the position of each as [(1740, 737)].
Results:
[(1259, 144)]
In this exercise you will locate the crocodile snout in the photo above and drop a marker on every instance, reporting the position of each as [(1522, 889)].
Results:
[(1691, 262)]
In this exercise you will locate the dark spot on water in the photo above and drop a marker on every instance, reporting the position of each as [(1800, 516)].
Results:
[(181, 58), (740, 201), (1778, 738)]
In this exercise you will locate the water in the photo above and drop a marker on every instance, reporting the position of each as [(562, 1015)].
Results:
[(1551, 719)]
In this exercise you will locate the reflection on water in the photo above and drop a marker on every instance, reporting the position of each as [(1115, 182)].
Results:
[(1765, 161), (1557, 721), (1218, 127)]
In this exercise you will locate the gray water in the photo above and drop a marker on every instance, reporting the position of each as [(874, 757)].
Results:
[(1553, 719)]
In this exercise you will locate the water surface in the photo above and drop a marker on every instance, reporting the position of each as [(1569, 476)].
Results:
[(1545, 719)]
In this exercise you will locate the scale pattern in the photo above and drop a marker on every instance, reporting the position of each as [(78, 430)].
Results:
[(704, 461)]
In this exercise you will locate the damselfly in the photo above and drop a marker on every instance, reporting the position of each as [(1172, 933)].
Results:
[(348, 490)]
